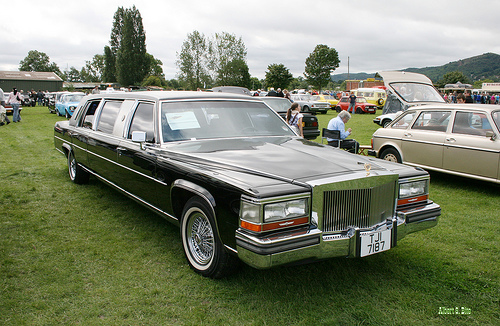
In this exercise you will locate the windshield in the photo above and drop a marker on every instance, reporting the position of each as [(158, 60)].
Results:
[(302, 97), (361, 100), (415, 92), (214, 119), (73, 98)]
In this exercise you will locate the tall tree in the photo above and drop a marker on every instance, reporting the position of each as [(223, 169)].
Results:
[(193, 61), (320, 64), (224, 49), (72, 75), (452, 78), (109, 71), (126, 60), (131, 60), (278, 76), (38, 61)]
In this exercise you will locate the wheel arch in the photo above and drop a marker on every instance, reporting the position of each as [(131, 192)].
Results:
[(183, 190), (393, 146)]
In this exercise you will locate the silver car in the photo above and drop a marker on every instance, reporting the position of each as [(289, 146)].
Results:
[(308, 104), (461, 139)]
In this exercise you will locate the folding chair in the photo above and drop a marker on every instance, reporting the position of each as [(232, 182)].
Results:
[(333, 134)]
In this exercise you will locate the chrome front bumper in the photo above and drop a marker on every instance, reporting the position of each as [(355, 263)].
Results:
[(311, 244)]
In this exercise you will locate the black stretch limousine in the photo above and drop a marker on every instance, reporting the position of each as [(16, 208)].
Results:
[(239, 183)]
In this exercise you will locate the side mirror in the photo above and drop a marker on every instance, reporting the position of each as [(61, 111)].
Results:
[(138, 136), (491, 135)]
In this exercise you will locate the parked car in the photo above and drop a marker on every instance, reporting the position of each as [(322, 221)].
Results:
[(310, 124), (239, 182), (385, 119), (308, 104), (362, 106), (326, 98), (68, 103), (458, 139), (374, 96)]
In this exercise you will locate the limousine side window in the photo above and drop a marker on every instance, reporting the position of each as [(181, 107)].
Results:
[(143, 121), (88, 117), (108, 116)]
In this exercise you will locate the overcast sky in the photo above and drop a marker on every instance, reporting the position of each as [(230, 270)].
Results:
[(374, 35)]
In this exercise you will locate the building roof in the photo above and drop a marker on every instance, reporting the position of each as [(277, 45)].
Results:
[(29, 75)]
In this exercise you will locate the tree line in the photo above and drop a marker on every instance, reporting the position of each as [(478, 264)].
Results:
[(202, 62)]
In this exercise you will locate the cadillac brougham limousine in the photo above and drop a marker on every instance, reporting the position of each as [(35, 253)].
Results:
[(240, 184)]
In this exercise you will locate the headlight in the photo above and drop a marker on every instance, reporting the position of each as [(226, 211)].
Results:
[(274, 213), (413, 189), (285, 210)]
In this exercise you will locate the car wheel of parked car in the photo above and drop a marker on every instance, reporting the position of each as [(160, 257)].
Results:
[(386, 122), (203, 248), (390, 154), (76, 173), (67, 115), (359, 110), (380, 101), (338, 108)]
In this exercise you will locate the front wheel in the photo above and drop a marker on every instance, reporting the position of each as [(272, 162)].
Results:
[(202, 246), (338, 109), (390, 154), (359, 110)]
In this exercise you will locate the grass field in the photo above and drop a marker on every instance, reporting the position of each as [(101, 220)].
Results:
[(87, 255)]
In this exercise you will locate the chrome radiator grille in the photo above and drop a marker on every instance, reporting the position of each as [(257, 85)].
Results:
[(361, 208)]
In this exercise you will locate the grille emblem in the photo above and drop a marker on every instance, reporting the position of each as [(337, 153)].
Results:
[(368, 167)]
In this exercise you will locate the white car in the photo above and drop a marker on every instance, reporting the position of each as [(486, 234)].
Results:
[(385, 119)]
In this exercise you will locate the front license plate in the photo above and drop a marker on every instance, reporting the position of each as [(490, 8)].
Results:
[(375, 242)]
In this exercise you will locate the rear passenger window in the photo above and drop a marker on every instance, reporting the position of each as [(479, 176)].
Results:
[(143, 121), (88, 117), (109, 113)]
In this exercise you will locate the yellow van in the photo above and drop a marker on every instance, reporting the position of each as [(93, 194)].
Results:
[(375, 96)]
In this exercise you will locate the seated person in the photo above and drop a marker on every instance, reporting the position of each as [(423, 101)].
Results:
[(338, 123)]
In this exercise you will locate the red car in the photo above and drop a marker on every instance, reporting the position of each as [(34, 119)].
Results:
[(362, 106)]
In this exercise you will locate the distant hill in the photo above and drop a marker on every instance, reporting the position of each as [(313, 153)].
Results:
[(485, 66)]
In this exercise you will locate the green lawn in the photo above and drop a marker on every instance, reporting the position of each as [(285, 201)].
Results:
[(87, 255)]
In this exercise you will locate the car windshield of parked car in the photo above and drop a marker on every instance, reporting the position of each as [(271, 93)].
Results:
[(215, 119), (361, 100), (414, 92), (73, 98)]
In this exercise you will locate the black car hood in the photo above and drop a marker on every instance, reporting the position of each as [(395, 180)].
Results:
[(279, 158)]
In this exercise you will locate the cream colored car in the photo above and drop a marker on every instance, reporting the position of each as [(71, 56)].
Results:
[(461, 139), (375, 96)]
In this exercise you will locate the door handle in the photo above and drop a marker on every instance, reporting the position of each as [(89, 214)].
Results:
[(451, 140)]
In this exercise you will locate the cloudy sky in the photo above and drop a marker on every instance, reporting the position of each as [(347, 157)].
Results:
[(374, 35)]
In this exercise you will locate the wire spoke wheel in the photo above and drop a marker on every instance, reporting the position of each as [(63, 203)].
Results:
[(200, 237)]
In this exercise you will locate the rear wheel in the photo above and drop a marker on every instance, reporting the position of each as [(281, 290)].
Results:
[(390, 154), (202, 246), (359, 110), (386, 122), (338, 109), (76, 173)]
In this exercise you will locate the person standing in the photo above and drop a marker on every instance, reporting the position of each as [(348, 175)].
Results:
[(15, 99), (352, 103), (294, 118)]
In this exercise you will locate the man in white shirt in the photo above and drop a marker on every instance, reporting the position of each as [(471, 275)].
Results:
[(338, 123)]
